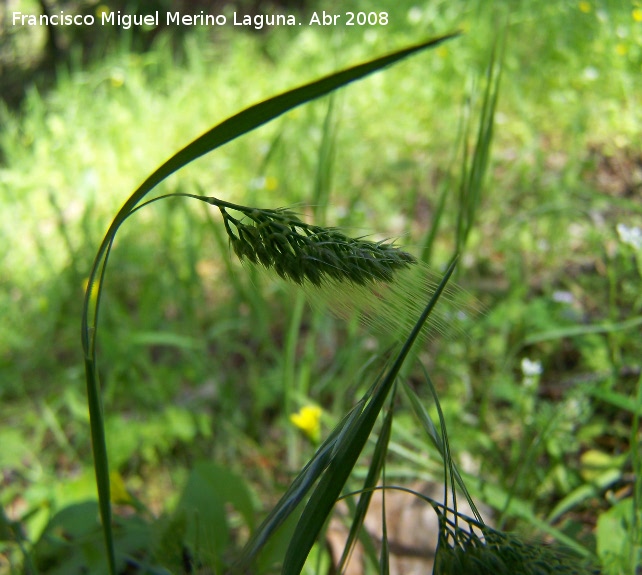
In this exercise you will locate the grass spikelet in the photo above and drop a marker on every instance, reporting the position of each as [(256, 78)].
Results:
[(307, 254), (379, 282), (468, 546)]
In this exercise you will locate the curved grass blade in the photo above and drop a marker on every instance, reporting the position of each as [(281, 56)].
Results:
[(230, 129), (440, 440), (347, 451), (298, 489)]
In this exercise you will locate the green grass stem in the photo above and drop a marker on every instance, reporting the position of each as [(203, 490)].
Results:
[(230, 129), (474, 169)]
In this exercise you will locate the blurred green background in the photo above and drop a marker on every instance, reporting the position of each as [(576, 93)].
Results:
[(203, 358)]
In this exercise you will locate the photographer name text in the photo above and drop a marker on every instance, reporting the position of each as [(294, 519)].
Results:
[(256, 21)]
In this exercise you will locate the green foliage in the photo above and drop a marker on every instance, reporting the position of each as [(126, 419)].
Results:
[(202, 511), (72, 542), (619, 552), (151, 440), (203, 358), (195, 533)]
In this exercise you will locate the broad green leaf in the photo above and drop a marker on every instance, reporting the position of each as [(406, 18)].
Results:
[(209, 487), (615, 546)]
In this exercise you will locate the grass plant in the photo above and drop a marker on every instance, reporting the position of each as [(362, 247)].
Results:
[(278, 240)]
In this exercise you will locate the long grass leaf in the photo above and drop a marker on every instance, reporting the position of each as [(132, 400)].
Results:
[(374, 472), (230, 129), (348, 449), (101, 465), (474, 168), (325, 161), (384, 558), (439, 440), (298, 489)]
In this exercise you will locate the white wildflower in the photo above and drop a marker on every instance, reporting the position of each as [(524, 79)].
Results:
[(531, 368), (630, 236)]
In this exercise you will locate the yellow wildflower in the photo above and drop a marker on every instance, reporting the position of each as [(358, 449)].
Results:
[(308, 420), (102, 9), (637, 14), (271, 183), (585, 7), (621, 49), (119, 493)]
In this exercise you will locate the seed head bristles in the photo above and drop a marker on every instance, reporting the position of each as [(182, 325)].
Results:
[(383, 285), (392, 307)]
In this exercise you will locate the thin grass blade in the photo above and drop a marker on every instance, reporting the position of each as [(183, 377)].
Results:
[(439, 440), (474, 168), (295, 493), (348, 449), (374, 472), (384, 558)]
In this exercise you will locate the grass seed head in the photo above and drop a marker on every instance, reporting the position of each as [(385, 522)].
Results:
[(302, 253), (386, 287), (499, 553)]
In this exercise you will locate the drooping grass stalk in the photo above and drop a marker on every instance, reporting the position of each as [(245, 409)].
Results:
[(439, 437), (308, 254), (468, 545), (241, 287), (232, 128), (380, 260)]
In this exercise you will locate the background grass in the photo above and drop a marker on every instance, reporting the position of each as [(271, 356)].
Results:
[(199, 354)]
